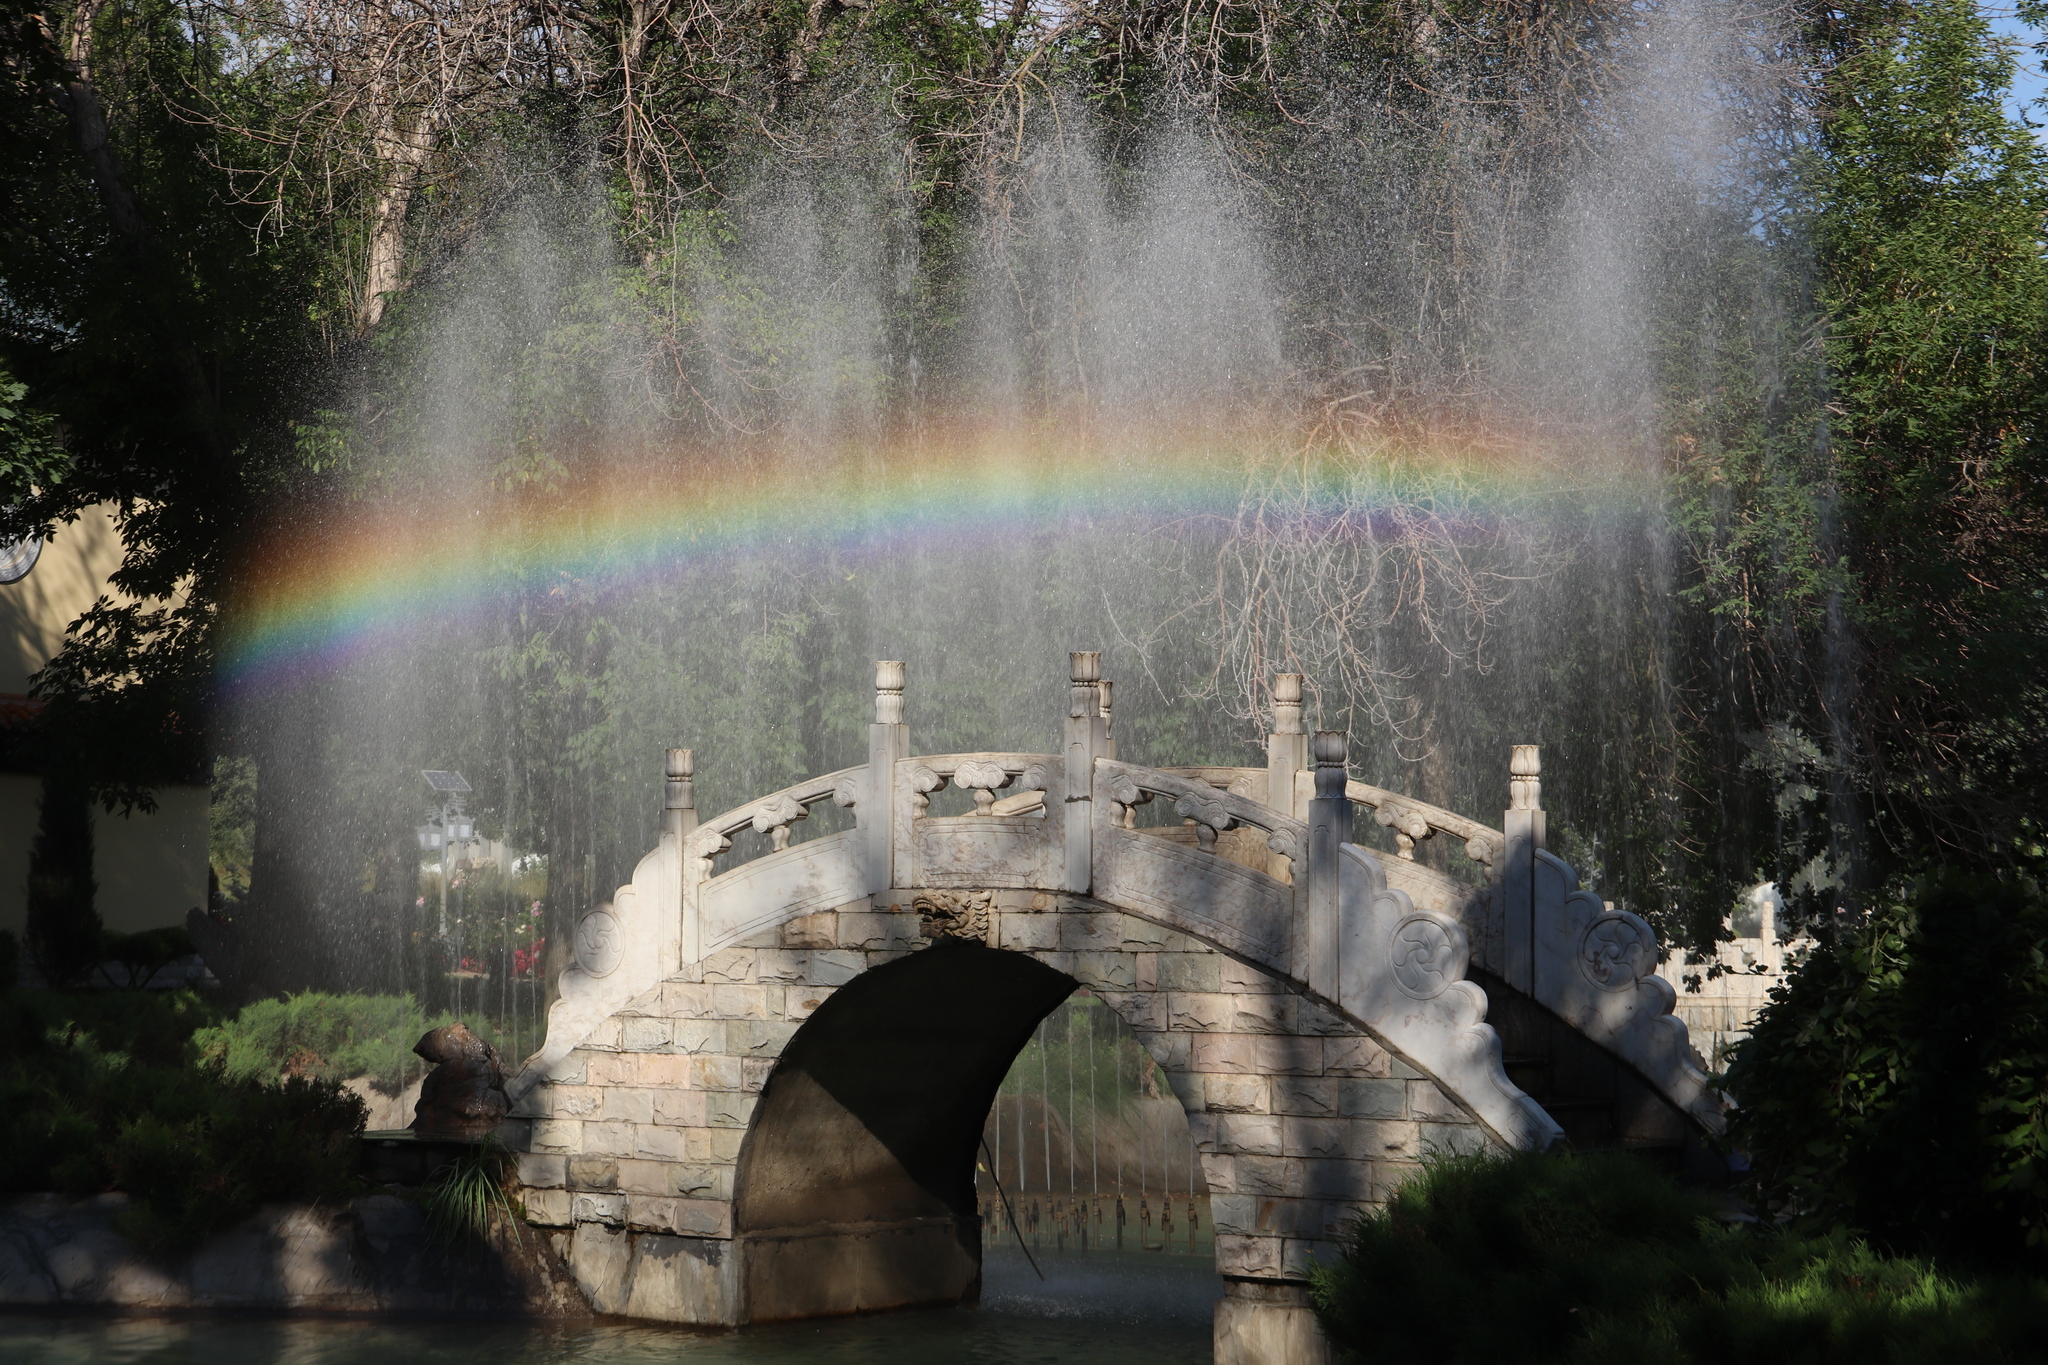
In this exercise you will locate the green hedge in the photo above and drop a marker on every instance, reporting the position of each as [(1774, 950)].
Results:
[(101, 1092), (1898, 1083), (332, 1037), (1601, 1260)]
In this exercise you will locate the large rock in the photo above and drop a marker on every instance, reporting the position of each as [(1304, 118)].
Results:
[(464, 1095)]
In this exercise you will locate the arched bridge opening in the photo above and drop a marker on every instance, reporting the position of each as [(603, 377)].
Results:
[(856, 1183)]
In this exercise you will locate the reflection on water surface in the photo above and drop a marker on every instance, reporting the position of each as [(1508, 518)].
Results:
[(1097, 1310)]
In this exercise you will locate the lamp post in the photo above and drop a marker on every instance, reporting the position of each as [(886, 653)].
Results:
[(445, 827)]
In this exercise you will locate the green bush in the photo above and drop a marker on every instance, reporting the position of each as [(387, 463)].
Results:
[(1898, 1083), (333, 1037), (1600, 1260), (109, 1099)]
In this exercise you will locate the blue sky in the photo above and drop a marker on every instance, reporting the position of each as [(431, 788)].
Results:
[(2031, 85)]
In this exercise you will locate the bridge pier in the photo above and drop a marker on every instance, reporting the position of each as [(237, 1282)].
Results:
[(1268, 1322)]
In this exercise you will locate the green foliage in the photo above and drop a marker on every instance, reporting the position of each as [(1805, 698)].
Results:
[(100, 1095), (1586, 1259), (1898, 1082), (464, 1196), (331, 1037), (63, 928)]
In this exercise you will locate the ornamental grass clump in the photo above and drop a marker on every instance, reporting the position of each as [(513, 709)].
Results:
[(1602, 1259)]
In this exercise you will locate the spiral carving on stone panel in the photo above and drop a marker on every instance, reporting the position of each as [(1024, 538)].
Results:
[(1427, 956), (600, 942), (1616, 951)]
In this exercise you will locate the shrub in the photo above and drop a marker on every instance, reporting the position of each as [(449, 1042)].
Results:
[(334, 1037), (195, 1149), (1898, 1083), (1601, 1260)]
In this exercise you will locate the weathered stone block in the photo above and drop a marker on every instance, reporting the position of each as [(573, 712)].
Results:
[(729, 966), (542, 1170), (754, 1073), (1028, 933), (681, 1000), (1238, 1254), (608, 1139), (1331, 1179), (1229, 1094), (1201, 971), (801, 1003), (659, 1142), (698, 1035), (1308, 1096), (716, 1072), (1233, 1214), (1426, 1101), (878, 932), (1243, 977), (1230, 1053), (739, 1002), (781, 964), (1373, 1098), (727, 1110), (575, 1101), (547, 1208), (591, 1172), (1300, 1256), (1268, 1175), (812, 931), (1199, 1013), (1246, 1134), (632, 1106), (1289, 1056), (1144, 1011), (837, 966), (1355, 1055), (558, 1135), (726, 1142), (644, 1035), (701, 1180), (679, 1108), (1463, 1139), (1142, 934), (608, 1209), (644, 1176), (1262, 1013), (1104, 970), (1082, 932)]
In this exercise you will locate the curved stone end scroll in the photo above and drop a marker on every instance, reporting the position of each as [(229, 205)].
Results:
[(1596, 968), (1402, 974)]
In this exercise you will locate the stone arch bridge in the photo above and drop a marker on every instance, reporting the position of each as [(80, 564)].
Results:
[(766, 1078)]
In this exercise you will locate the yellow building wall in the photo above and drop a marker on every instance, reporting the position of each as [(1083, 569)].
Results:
[(151, 868), (70, 576)]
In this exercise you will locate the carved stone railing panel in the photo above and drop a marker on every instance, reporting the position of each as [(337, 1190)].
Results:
[(1005, 842), (772, 815), (1209, 811), (1402, 974), (1415, 821), (1596, 968)]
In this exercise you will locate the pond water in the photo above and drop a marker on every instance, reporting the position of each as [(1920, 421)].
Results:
[(1101, 1309)]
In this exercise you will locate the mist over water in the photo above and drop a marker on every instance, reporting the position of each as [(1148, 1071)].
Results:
[(1386, 405)]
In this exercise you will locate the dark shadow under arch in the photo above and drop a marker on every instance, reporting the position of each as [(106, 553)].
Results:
[(855, 1188)]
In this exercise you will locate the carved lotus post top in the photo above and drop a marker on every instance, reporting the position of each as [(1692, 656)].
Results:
[(1085, 665), (888, 692), (1287, 703), (1332, 748), (1616, 951), (1427, 954), (678, 768), (600, 942), (1525, 771)]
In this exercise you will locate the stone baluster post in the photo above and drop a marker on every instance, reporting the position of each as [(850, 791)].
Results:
[(678, 823), (1286, 747), (1108, 737), (1329, 828), (1084, 744), (888, 741), (1523, 824)]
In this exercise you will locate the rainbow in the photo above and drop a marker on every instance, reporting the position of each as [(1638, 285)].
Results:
[(377, 571)]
